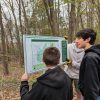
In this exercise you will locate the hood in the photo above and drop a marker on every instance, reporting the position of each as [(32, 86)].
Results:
[(77, 50), (94, 48), (55, 78)]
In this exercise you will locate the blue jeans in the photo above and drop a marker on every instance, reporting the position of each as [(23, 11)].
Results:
[(98, 98)]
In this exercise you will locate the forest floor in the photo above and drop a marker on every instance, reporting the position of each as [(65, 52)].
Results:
[(10, 85)]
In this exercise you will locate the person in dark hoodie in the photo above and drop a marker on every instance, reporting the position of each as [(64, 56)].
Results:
[(89, 76), (54, 84)]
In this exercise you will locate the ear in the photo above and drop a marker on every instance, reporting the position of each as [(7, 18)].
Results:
[(88, 40)]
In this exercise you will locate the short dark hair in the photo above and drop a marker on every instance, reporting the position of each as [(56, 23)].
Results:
[(87, 33), (51, 56)]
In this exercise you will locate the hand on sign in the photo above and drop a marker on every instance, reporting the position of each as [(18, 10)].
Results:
[(68, 61), (25, 77)]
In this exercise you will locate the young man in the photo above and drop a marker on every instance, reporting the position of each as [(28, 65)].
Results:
[(89, 77), (75, 55), (54, 84)]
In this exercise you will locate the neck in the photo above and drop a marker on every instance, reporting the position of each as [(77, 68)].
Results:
[(88, 46), (50, 67)]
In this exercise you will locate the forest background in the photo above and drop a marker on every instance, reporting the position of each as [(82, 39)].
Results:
[(38, 17)]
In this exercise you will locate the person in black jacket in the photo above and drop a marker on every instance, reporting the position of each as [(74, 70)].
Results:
[(54, 84), (89, 76)]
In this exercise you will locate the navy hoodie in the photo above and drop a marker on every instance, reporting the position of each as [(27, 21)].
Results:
[(89, 77)]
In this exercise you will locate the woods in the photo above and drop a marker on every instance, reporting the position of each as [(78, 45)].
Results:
[(39, 17), (43, 17)]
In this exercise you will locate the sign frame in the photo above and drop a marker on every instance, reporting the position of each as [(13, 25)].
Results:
[(30, 42)]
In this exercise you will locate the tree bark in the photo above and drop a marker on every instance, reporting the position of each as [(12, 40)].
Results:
[(4, 58), (52, 16), (27, 31), (18, 35), (72, 21)]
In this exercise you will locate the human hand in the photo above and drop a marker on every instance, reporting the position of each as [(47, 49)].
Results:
[(25, 77), (69, 62)]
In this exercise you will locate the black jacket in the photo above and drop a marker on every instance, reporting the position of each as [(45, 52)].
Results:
[(89, 77), (53, 85)]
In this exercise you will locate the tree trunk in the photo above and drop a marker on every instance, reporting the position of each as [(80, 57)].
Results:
[(4, 58), (72, 18), (18, 35), (22, 32), (9, 32), (89, 12), (52, 16), (27, 31), (77, 25), (98, 13)]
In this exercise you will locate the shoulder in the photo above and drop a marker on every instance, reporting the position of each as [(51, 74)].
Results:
[(71, 46), (91, 55)]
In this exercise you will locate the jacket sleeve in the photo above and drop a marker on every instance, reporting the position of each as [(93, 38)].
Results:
[(33, 94), (71, 56), (76, 64), (24, 88), (91, 80)]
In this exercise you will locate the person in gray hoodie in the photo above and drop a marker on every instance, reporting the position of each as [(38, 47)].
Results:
[(75, 55)]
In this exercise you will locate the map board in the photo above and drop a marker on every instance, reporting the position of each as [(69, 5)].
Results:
[(33, 50)]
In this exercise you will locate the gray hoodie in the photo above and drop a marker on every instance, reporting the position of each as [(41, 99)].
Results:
[(75, 55)]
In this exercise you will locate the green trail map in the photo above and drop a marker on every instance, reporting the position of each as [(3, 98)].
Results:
[(38, 47), (34, 47)]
